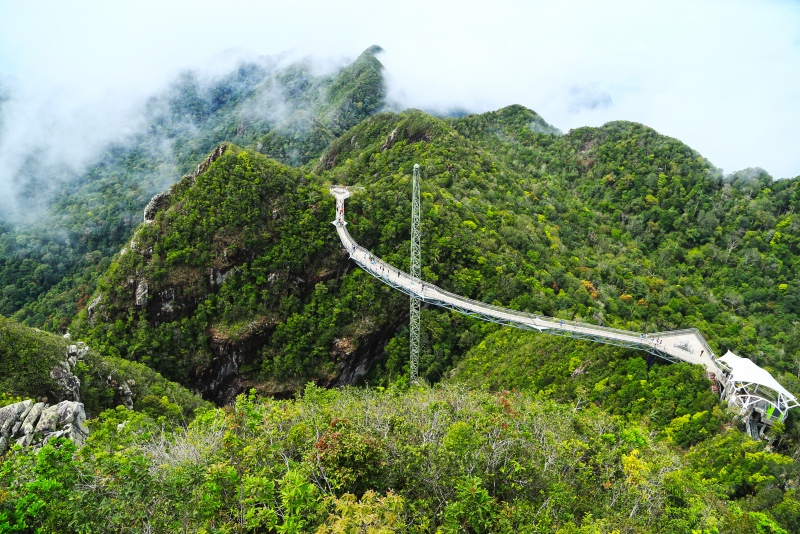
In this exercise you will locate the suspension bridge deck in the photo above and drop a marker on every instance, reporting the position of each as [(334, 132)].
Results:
[(677, 345)]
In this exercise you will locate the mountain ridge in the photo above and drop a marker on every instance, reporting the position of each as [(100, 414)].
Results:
[(570, 182), (49, 265)]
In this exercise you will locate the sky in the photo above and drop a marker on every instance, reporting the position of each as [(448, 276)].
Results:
[(721, 76)]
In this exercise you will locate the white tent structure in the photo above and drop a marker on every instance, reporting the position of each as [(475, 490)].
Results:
[(755, 391)]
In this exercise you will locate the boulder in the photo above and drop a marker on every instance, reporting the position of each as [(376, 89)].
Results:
[(47, 421), (11, 414), (33, 424), (66, 382), (69, 385), (29, 424)]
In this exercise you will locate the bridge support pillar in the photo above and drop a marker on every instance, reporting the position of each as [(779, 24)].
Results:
[(416, 271)]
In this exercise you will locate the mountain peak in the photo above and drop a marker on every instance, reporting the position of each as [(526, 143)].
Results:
[(372, 50)]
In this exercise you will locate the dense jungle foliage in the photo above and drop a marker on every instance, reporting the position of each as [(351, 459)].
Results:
[(69, 224), (239, 284), (675, 398), (441, 459)]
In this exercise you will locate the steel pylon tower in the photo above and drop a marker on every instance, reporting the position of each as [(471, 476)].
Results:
[(416, 272)]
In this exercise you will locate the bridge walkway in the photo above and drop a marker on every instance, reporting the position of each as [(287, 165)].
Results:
[(677, 345)]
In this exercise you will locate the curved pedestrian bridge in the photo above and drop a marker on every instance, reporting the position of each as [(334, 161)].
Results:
[(741, 382)]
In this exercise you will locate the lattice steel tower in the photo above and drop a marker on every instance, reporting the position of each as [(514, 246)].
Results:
[(416, 272)]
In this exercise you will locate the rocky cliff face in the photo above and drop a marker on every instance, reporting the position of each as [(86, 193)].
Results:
[(30, 423)]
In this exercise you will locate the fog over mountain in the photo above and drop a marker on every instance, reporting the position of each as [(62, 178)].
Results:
[(719, 76)]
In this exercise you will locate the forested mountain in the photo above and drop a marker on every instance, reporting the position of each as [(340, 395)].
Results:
[(615, 225), (236, 286), (69, 225)]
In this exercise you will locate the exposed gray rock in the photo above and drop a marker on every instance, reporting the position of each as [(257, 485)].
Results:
[(10, 414), (21, 417), (217, 278), (93, 309), (156, 204), (167, 299), (29, 424), (66, 412), (79, 422), (122, 390), (71, 422), (68, 384), (206, 163), (77, 351), (47, 421), (390, 141), (141, 293)]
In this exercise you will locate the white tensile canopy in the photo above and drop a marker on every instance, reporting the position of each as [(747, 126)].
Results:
[(744, 370), (744, 380)]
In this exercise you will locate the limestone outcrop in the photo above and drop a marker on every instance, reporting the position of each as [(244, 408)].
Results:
[(156, 204), (33, 424), (68, 384)]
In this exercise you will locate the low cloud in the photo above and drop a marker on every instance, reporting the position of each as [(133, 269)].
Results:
[(50, 135), (720, 75), (52, 132), (588, 98)]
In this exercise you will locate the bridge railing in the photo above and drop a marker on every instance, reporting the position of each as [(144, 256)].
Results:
[(477, 304)]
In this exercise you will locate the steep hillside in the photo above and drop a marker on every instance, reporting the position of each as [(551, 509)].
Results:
[(49, 261), (28, 357), (229, 257), (246, 283)]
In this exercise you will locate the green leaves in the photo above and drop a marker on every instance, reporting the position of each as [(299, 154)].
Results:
[(443, 459), (298, 499), (35, 490), (474, 510), (615, 225), (258, 497)]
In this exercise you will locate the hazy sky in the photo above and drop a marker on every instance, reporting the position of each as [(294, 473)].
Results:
[(722, 76)]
